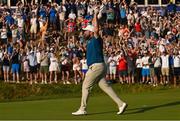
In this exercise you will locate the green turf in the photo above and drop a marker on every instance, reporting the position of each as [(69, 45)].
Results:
[(159, 104)]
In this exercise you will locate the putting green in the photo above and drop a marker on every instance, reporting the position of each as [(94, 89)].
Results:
[(161, 104)]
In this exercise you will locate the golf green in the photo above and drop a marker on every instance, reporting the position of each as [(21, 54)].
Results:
[(159, 104)]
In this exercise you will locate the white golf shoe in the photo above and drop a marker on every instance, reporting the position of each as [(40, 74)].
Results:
[(79, 112), (122, 108)]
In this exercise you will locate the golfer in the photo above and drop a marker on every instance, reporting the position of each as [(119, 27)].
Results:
[(97, 68)]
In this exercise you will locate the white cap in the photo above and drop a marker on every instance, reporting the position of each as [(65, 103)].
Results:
[(51, 49), (31, 51), (89, 28), (169, 32)]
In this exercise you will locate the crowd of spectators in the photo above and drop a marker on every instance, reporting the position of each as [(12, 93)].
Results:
[(44, 43)]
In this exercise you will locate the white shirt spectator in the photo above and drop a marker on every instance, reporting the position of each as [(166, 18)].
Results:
[(72, 16), (14, 33), (112, 61), (84, 64), (177, 61), (139, 63), (145, 62), (34, 21), (157, 62), (3, 33), (62, 10), (165, 61), (20, 22), (38, 55), (90, 10), (1, 54)]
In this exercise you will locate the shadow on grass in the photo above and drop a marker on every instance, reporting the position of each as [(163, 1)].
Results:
[(107, 112), (139, 110), (148, 108)]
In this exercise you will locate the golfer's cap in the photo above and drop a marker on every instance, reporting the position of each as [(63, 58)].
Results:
[(31, 51), (169, 32), (89, 28)]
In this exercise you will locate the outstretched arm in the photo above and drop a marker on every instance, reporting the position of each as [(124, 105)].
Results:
[(95, 23)]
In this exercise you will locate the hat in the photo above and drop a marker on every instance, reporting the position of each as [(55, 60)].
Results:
[(89, 28), (51, 49), (169, 32), (31, 51)]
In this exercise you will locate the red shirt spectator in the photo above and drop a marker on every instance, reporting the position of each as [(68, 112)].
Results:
[(138, 27), (122, 64), (71, 26)]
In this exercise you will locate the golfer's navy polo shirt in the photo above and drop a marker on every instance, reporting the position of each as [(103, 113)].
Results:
[(95, 51)]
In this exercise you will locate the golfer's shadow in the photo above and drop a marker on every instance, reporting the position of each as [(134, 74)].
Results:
[(144, 109), (139, 110)]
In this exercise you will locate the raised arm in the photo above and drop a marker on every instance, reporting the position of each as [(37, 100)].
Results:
[(95, 22)]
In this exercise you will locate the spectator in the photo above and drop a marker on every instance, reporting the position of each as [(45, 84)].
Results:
[(112, 66), (122, 68), (84, 66), (33, 66), (44, 66), (145, 68), (6, 66), (165, 67), (53, 68), (15, 60)]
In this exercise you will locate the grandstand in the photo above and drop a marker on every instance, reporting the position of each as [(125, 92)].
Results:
[(140, 2)]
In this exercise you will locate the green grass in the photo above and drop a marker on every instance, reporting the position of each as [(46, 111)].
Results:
[(158, 104)]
